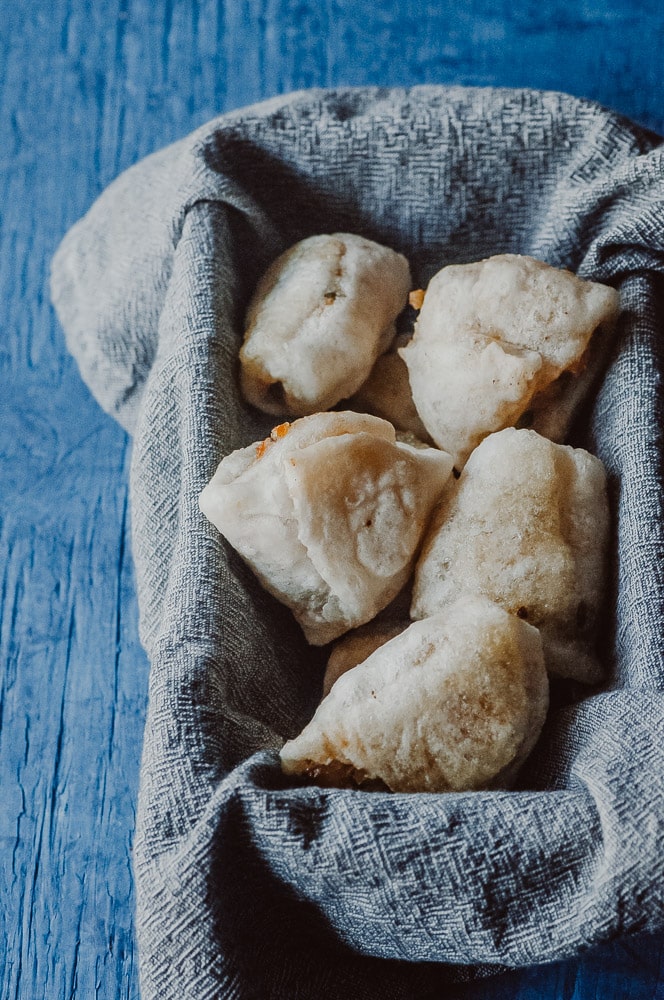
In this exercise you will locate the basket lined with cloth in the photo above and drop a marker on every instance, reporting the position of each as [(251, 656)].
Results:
[(250, 885)]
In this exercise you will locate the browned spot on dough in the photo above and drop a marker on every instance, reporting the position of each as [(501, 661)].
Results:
[(335, 774)]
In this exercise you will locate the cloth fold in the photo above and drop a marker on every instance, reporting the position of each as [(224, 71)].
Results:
[(251, 885)]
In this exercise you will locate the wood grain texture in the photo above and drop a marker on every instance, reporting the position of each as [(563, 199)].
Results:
[(86, 90)]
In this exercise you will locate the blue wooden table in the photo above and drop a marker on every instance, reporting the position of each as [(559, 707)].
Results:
[(86, 89)]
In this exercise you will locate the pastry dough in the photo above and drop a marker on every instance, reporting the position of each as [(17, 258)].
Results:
[(454, 703), (329, 512), (526, 524), (492, 336), (318, 320)]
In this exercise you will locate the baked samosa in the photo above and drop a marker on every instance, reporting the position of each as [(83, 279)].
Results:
[(527, 525), (453, 703), (319, 318), (505, 341), (329, 513)]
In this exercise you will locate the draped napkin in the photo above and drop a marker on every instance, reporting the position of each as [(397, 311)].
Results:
[(256, 887)]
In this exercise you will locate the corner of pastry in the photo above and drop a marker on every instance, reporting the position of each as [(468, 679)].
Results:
[(386, 393), (355, 646)]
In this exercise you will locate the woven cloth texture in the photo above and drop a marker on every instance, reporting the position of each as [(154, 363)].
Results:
[(251, 885)]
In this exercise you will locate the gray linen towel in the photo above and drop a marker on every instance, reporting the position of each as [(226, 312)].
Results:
[(253, 886)]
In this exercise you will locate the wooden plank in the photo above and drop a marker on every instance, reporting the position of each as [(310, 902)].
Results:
[(72, 700), (85, 90)]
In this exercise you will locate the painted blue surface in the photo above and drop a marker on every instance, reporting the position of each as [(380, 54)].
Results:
[(86, 89)]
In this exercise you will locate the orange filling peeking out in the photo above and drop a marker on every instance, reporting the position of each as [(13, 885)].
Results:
[(281, 430), (416, 298)]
